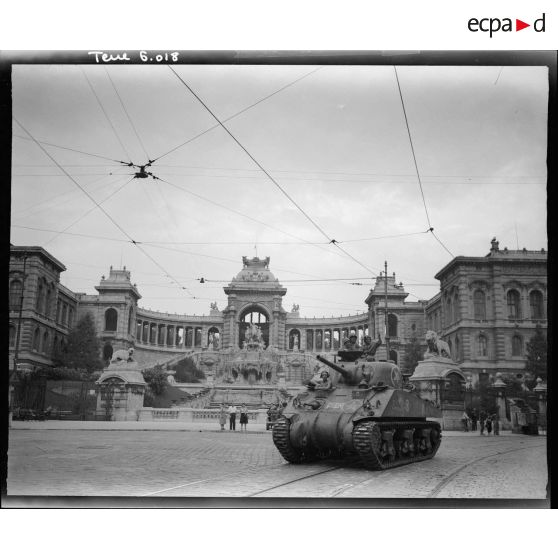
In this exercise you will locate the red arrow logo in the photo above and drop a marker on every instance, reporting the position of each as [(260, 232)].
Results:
[(519, 25)]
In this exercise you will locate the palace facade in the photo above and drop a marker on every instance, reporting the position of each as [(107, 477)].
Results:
[(487, 310)]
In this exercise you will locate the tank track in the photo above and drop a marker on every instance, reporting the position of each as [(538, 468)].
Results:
[(384, 445), (281, 439)]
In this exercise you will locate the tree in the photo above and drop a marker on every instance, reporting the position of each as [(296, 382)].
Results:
[(413, 354), (156, 379), (536, 354), (187, 372), (83, 348)]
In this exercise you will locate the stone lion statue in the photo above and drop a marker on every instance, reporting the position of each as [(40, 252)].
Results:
[(122, 356), (436, 347)]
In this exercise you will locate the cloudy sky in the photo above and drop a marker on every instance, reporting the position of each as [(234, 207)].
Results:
[(335, 141)]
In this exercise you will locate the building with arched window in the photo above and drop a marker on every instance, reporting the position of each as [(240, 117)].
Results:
[(503, 297), (486, 309)]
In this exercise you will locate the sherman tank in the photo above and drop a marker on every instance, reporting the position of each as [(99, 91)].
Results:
[(358, 408)]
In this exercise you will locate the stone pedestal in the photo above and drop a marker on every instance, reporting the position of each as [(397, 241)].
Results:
[(431, 378), (120, 392)]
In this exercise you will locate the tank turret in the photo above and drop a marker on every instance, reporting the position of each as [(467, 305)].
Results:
[(361, 408)]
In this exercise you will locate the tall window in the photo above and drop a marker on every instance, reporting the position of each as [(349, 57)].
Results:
[(455, 307), (449, 311), (12, 335), (131, 321), (457, 349), (40, 297), (111, 319), (189, 337), (536, 303), (294, 339), (36, 339), (517, 346), (48, 300), (309, 339), (482, 345), (513, 305), (479, 303), (198, 337), (45, 342), (213, 336), (336, 339), (392, 325), (319, 340), (16, 288)]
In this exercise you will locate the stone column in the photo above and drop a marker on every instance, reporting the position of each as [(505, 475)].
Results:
[(541, 389), (500, 387)]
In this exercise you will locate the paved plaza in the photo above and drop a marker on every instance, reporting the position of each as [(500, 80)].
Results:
[(65, 461)]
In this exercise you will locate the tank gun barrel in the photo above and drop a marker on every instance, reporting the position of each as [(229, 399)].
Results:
[(350, 375), (336, 367)]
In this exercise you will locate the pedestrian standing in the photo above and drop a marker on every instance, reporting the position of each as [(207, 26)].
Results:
[(496, 423), (232, 410), (482, 418), (222, 416), (488, 424), (474, 420), (465, 421), (243, 417)]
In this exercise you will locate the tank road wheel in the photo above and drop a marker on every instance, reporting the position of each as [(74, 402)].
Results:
[(386, 445), (387, 449), (367, 441), (281, 439)]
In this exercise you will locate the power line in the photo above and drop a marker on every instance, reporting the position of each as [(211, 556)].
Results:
[(71, 193), (442, 244), (103, 210), (238, 113), (382, 237), (269, 176), (126, 112), (412, 148), (105, 113), (66, 148), (89, 211), (250, 155), (231, 210)]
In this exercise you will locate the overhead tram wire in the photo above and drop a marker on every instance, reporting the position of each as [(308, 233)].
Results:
[(442, 244), (119, 163), (330, 240), (238, 113), (126, 112), (47, 204), (412, 147), (113, 193), (106, 115), (115, 223), (431, 228), (213, 202)]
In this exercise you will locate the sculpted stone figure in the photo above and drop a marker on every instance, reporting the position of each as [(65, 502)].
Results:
[(121, 356), (213, 306), (436, 347)]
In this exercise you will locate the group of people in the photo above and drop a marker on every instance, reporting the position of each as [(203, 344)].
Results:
[(230, 414), (486, 421), (368, 348)]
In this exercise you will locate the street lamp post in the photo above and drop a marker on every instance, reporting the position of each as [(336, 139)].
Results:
[(386, 311)]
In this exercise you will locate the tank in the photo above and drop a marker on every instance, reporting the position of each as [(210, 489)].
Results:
[(356, 408)]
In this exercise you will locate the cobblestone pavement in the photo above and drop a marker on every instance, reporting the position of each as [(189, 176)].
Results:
[(232, 464)]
